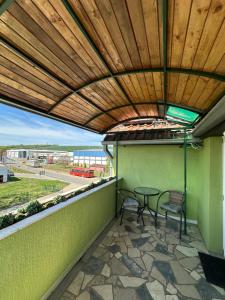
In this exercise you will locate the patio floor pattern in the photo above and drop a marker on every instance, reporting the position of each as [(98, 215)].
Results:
[(132, 262)]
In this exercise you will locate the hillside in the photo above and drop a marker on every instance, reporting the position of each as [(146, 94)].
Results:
[(49, 147)]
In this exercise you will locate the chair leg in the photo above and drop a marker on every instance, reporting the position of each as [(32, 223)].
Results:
[(121, 219), (166, 215), (156, 218), (180, 223), (142, 219)]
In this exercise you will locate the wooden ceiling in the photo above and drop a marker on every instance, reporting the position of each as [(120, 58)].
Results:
[(97, 63)]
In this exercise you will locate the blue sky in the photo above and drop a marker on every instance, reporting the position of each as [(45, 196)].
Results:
[(21, 127)]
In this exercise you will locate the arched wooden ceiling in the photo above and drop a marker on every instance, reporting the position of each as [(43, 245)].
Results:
[(95, 63)]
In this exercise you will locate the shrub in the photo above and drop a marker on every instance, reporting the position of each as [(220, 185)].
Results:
[(19, 217), (48, 204), (33, 208), (7, 220)]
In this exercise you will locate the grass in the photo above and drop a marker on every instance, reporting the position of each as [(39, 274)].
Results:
[(21, 190), (19, 170)]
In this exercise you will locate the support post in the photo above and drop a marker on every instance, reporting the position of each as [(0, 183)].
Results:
[(117, 151), (185, 181)]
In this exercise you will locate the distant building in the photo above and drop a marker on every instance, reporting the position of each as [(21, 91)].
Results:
[(29, 154), (90, 157), (3, 173)]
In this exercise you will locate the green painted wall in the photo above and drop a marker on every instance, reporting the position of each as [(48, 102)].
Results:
[(162, 167), (32, 259), (210, 206)]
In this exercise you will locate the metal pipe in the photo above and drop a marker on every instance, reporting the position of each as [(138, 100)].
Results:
[(185, 181), (117, 153)]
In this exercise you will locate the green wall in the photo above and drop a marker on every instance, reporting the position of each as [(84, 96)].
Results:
[(32, 259), (162, 167), (210, 206)]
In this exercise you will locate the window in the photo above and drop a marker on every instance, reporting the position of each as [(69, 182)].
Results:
[(182, 114)]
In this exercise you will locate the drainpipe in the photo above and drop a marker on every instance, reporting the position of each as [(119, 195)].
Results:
[(185, 181), (110, 156)]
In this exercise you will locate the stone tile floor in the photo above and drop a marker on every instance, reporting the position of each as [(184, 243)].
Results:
[(134, 262)]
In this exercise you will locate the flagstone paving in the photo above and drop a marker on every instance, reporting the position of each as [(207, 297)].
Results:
[(133, 262)]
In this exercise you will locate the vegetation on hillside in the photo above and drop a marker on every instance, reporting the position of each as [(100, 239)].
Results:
[(49, 147)]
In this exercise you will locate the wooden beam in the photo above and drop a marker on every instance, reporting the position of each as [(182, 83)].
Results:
[(150, 102)]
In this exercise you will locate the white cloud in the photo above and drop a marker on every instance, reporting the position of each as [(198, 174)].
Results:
[(36, 130)]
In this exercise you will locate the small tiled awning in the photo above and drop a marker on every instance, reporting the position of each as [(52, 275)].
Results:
[(97, 63)]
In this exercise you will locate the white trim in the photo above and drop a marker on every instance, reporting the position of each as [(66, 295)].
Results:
[(69, 268), (41, 215)]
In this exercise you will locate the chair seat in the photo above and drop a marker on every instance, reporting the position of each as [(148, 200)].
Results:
[(130, 202), (174, 208)]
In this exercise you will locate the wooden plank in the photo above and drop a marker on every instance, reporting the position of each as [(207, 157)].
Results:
[(135, 81), (66, 113), (37, 74), (181, 85), (101, 101), (172, 86), (99, 25), (20, 87), (137, 19), (53, 24), (150, 85), (129, 87), (149, 110), (27, 46), (191, 82), (19, 35), (180, 24), (101, 123), (158, 85), (86, 52), (212, 26), (48, 38), (211, 86), (82, 15), (150, 13), (23, 81), (106, 10), (23, 97), (198, 90), (88, 106), (214, 97), (198, 16), (124, 113), (108, 89), (215, 58), (143, 84), (124, 21)]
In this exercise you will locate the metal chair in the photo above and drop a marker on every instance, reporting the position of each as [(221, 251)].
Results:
[(175, 205), (130, 204)]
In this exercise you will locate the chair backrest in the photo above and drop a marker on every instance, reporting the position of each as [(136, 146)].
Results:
[(176, 197)]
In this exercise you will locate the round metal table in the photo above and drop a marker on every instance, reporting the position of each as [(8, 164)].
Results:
[(147, 192)]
